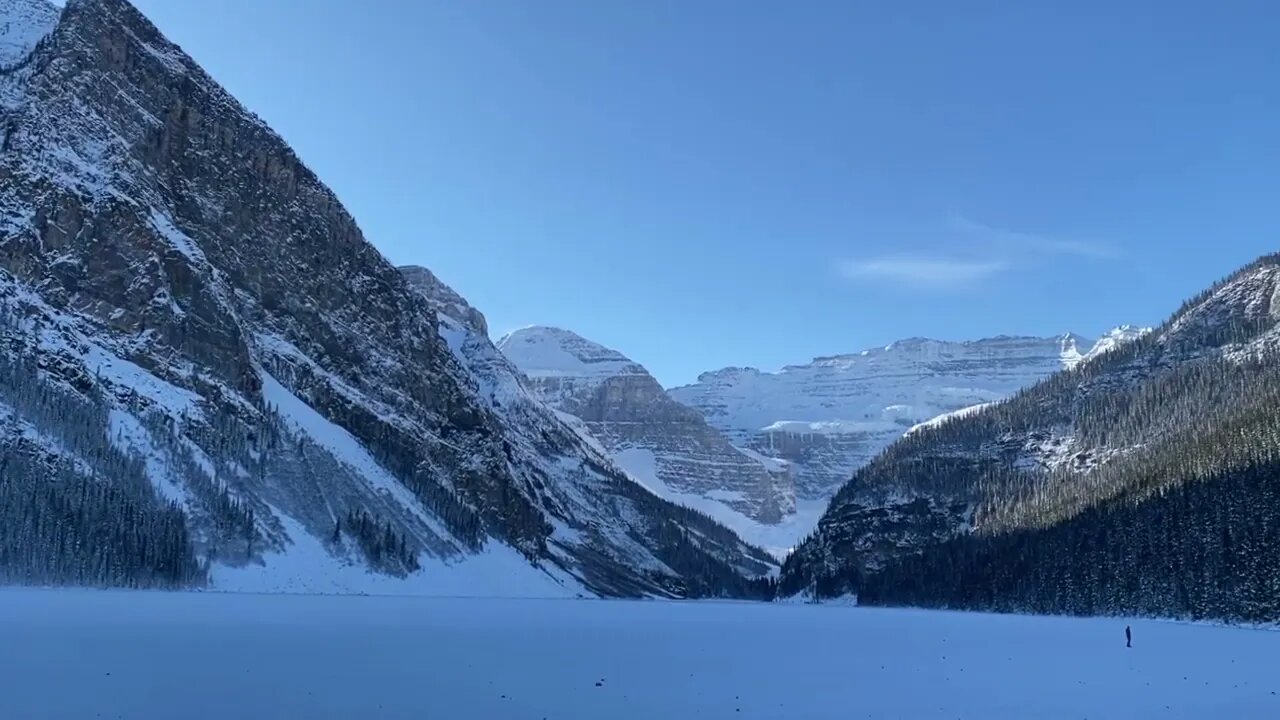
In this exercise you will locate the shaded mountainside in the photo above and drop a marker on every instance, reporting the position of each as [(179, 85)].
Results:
[(202, 349), (528, 420), (831, 416), (1142, 481), (663, 442), (665, 445)]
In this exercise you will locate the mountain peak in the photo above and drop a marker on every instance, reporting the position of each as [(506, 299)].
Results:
[(1069, 347), (444, 299), (926, 349), (664, 445), (1242, 309), (727, 374), (543, 351)]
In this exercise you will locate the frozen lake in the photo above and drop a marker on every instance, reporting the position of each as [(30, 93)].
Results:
[(89, 654)]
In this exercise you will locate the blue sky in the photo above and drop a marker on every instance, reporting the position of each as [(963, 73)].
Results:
[(711, 182)]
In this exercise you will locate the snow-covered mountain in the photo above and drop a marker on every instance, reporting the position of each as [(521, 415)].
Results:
[(1139, 482), (212, 374), (665, 445), (810, 425), (831, 416)]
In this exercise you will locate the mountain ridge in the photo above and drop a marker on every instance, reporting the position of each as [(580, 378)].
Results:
[(832, 415), (254, 378), (1136, 483), (666, 446)]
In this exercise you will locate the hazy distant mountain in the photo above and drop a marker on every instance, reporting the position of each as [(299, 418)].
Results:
[(831, 416)]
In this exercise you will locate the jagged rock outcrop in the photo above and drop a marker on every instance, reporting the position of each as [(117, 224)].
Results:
[(833, 415), (664, 444), (170, 265), (444, 299)]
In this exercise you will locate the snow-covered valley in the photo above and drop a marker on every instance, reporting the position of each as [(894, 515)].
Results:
[(318, 486), (762, 452), (145, 655)]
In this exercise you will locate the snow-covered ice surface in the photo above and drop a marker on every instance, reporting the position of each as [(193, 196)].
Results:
[(308, 567), (142, 656)]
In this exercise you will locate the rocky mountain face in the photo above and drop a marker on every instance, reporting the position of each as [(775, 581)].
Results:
[(444, 300), (831, 416), (201, 347), (665, 445), (1139, 481)]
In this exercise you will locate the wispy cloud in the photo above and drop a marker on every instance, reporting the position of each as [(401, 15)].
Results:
[(1032, 242), (983, 251), (935, 273)]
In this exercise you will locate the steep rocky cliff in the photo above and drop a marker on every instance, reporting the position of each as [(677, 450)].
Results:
[(831, 416), (664, 444), (242, 357)]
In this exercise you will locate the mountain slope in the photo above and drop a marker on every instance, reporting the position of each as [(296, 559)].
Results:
[(724, 558), (1137, 482), (23, 24), (831, 416), (253, 378), (665, 445)]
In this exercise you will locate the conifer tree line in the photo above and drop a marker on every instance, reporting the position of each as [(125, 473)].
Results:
[(380, 543), (1207, 549), (60, 528), (225, 518), (86, 511), (77, 505), (1165, 502), (94, 520), (704, 574)]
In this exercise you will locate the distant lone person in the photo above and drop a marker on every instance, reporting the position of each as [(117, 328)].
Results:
[(1128, 637)]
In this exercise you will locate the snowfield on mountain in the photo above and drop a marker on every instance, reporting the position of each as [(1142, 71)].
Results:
[(831, 416), (153, 656)]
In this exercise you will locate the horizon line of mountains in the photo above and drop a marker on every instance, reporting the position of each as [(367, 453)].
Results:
[(210, 378), (761, 442)]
